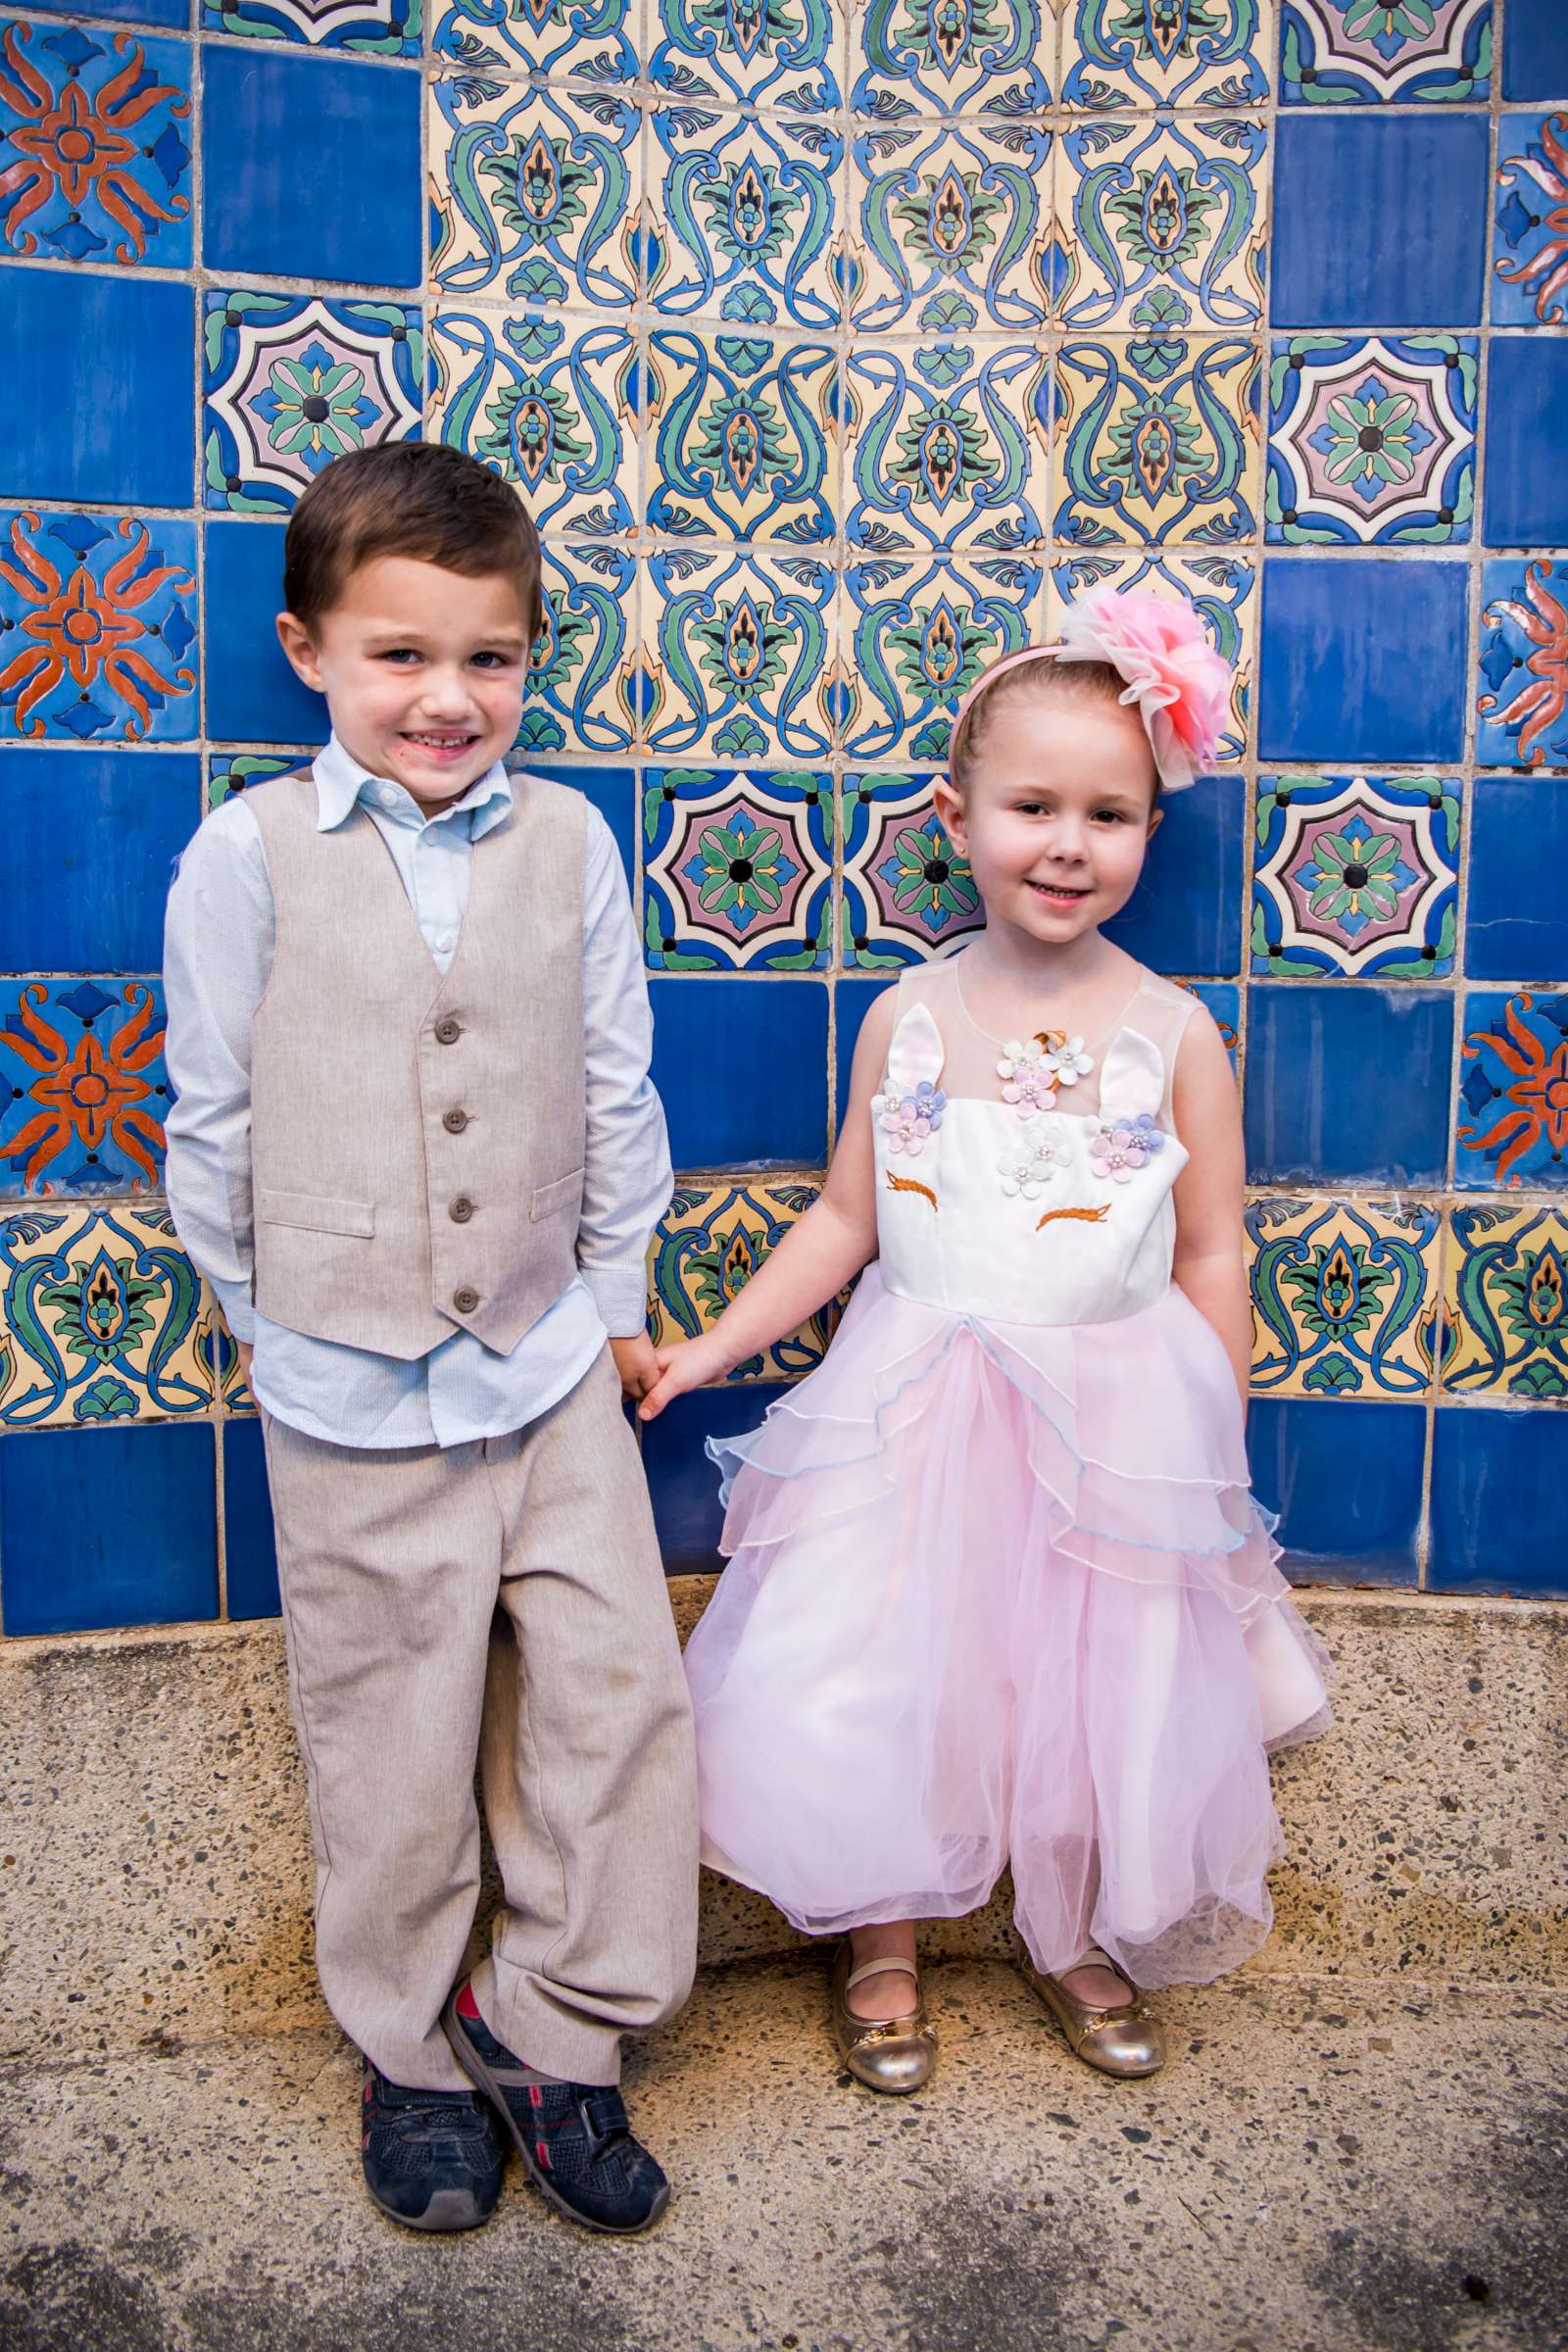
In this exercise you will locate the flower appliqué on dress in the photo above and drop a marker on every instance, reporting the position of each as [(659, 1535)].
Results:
[(907, 1120), (1031, 1164), (1031, 1071), (1119, 1147)]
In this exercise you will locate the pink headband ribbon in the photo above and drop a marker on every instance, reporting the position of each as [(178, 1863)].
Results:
[(1180, 686)]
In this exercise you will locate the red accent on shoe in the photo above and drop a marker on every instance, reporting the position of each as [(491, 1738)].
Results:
[(364, 2142), (468, 2007), (536, 2096), (543, 2155)]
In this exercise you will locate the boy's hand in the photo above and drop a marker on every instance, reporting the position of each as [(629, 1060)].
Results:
[(245, 1351), (686, 1365), (636, 1362)]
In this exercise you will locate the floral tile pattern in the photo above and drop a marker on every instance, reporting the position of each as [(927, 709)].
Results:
[(94, 145), (290, 382), (228, 772), (366, 28), (533, 193), (1505, 1303), (742, 218), (786, 54), (98, 1319), (738, 870), (1530, 253), (909, 896), (916, 637), (593, 39), (549, 401), (952, 226), (742, 652), (1372, 439), (946, 433), (1363, 52), (1355, 875), (744, 437), (1345, 1297), (1146, 53), (916, 59), (82, 1086), (1523, 664), (1513, 1092), (583, 679), (1223, 589), (1159, 226), (99, 610), (709, 1242), (1155, 438)]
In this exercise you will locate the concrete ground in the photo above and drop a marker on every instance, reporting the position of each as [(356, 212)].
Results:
[(1320, 2168)]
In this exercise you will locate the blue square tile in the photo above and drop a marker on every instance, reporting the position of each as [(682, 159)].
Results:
[(174, 15), (72, 427), (1511, 1111), (87, 847), (250, 1558), (612, 792), (852, 1002), (1525, 500), (94, 160), (1521, 719), (112, 1527), (1516, 927), (100, 610), (369, 29), (1535, 50), (1186, 913), (741, 1067), (1379, 220), (683, 1482), (1223, 1001), (291, 382), (1497, 1483), (83, 1086), (1346, 1480), (1527, 276), (252, 694), (1346, 1085), (354, 214), (1362, 661)]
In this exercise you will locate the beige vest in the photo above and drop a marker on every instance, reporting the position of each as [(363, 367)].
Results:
[(416, 1139)]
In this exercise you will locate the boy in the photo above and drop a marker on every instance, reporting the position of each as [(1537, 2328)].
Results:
[(417, 1153)]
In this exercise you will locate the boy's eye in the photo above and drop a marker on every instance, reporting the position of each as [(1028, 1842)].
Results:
[(401, 653), (492, 661)]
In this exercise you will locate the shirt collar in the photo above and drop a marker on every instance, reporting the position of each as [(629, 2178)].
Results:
[(341, 784)]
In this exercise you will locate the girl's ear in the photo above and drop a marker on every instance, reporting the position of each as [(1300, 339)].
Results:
[(950, 808)]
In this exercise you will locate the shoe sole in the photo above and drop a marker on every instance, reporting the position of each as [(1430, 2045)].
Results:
[(479, 2075), (449, 2210)]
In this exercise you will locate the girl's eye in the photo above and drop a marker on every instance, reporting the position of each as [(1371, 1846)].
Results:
[(1112, 816)]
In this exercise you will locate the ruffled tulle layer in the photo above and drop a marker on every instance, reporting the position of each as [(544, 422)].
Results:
[(1000, 1593)]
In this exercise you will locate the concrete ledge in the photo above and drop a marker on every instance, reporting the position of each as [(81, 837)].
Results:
[(155, 1878)]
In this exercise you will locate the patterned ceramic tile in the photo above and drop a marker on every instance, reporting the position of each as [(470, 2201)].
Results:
[(1363, 52), (101, 616), (534, 192), (952, 226), (592, 40), (228, 772), (550, 401), (1529, 253), (738, 870), (783, 54), (916, 637), (937, 57), (1523, 664), (1343, 1296), (1124, 53), (1372, 438), (946, 435), (82, 1086), (1505, 1303), (744, 662), (1157, 438), (584, 679), (1512, 1126), (94, 159), (742, 218), (291, 382), (908, 896), (1357, 875), (1159, 225), (98, 1314), (1223, 589), (709, 1242), (368, 28), (743, 437)]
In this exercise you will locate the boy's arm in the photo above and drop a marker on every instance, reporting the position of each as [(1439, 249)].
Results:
[(218, 954)]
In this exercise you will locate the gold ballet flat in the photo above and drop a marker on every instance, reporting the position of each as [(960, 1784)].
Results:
[(1125, 2041), (893, 2054)]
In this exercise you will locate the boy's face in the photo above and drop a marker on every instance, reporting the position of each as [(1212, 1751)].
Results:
[(423, 671)]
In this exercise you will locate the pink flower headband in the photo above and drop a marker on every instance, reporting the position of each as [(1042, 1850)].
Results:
[(1179, 683)]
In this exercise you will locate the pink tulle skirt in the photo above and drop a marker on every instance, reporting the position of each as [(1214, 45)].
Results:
[(999, 1593)]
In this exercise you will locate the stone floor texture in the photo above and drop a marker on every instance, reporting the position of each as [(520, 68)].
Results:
[(1325, 2166)]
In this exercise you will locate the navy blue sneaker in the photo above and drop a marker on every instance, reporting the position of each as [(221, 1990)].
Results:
[(573, 2137), (431, 2158)]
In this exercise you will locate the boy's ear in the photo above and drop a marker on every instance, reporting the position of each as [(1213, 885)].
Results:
[(950, 808), (295, 639)]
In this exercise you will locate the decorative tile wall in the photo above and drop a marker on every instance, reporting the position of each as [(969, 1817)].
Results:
[(836, 347)]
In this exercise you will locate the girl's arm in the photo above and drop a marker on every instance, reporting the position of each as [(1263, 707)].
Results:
[(818, 1256), (1210, 1264)]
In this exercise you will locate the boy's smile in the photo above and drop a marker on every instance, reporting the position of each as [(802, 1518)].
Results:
[(423, 669)]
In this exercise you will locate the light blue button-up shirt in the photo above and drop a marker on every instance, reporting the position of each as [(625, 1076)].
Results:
[(218, 957)]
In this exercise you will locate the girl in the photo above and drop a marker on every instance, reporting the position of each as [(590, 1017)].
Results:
[(998, 1592)]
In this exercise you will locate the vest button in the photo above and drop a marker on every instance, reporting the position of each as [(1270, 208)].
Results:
[(454, 1121), (465, 1301), (448, 1029), (462, 1209)]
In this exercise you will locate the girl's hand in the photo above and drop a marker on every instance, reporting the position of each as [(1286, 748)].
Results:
[(686, 1365), (636, 1363)]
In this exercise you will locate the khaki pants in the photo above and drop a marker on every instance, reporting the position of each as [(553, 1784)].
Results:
[(501, 1599)]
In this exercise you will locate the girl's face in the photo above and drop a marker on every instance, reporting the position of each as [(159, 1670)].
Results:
[(1058, 813)]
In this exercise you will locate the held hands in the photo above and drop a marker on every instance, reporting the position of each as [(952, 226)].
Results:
[(636, 1363), (687, 1365)]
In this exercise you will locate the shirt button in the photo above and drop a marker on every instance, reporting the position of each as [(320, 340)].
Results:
[(443, 940), (462, 1209), (387, 797), (465, 1301), (448, 1029), (454, 1121)]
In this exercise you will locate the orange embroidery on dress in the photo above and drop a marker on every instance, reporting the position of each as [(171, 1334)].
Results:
[(907, 1184), (1089, 1216)]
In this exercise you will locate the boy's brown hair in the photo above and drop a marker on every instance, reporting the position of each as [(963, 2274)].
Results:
[(407, 497)]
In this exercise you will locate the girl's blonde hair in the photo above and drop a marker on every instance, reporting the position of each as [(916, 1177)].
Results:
[(1079, 681)]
